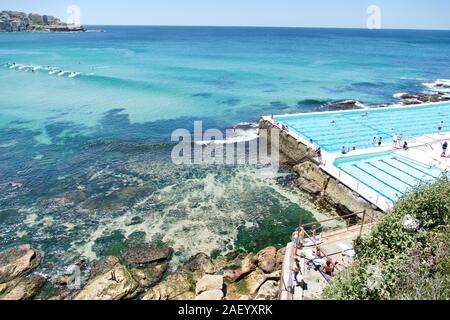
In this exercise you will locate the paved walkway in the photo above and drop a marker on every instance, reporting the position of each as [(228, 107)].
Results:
[(337, 245)]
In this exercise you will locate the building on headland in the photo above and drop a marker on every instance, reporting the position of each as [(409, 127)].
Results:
[(14, 21)]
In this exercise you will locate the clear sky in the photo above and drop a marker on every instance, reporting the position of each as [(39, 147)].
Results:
[(399, 14)]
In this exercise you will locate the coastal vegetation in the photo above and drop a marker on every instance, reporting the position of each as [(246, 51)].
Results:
[(406, 255)]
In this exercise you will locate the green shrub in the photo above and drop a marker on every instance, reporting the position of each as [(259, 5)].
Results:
[(409, 265)]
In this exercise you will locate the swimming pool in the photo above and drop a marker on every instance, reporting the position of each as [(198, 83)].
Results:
[(332, 130), (390, 174)]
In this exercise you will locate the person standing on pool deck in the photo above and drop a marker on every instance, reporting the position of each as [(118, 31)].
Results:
[(405, 145), (440, 126), (394, 140), (380, 141), (400, 138), (444, 148)]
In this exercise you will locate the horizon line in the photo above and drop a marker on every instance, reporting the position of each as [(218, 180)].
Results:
[(255, 26)]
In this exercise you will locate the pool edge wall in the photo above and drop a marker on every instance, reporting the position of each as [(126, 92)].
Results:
[(311, 179)]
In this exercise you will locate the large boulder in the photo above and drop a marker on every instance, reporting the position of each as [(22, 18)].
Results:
[(208, 283), (311, 178), (110, 281), (140, 255), (266, 259), (347, 200), (175, 285), (280, 258), (188, 295), (250, 285), (103, 265), (199, 265), (17, 262), (256, 279), (268, 291), (25, 289), (210, 295), (147, 277), (246, 265)]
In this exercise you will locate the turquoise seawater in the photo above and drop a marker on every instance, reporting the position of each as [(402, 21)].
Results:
[(85, 161)]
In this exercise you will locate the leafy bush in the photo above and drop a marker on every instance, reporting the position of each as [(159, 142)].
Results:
[(393, 263)]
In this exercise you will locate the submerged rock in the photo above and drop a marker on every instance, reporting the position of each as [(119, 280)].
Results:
[(343, 105), (144, 255)]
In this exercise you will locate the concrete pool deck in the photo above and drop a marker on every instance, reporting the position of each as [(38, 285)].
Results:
[(424, 149)]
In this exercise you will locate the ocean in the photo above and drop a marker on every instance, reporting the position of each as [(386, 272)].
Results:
[(86, 120)]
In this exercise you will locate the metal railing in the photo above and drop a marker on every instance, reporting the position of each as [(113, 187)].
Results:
[(303, 230)]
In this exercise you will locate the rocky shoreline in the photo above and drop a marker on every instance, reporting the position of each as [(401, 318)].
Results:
[(142, 273), (405, 99)]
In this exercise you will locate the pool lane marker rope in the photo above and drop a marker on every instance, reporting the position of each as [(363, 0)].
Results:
[(376, 178), (409, 174), (382, 170), (417, 169)]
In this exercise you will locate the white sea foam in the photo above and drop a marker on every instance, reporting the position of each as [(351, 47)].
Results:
[(51, 70), (198, 214), (399, 95), (440, 85), (242, 132)]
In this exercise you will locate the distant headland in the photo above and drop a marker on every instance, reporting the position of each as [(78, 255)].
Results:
[(14, 21)]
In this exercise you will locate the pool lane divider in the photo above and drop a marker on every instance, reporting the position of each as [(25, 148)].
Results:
[(396, 178), (376, 178), (396, 168)]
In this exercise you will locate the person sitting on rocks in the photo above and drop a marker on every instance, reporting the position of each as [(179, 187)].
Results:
[(328, 269)]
